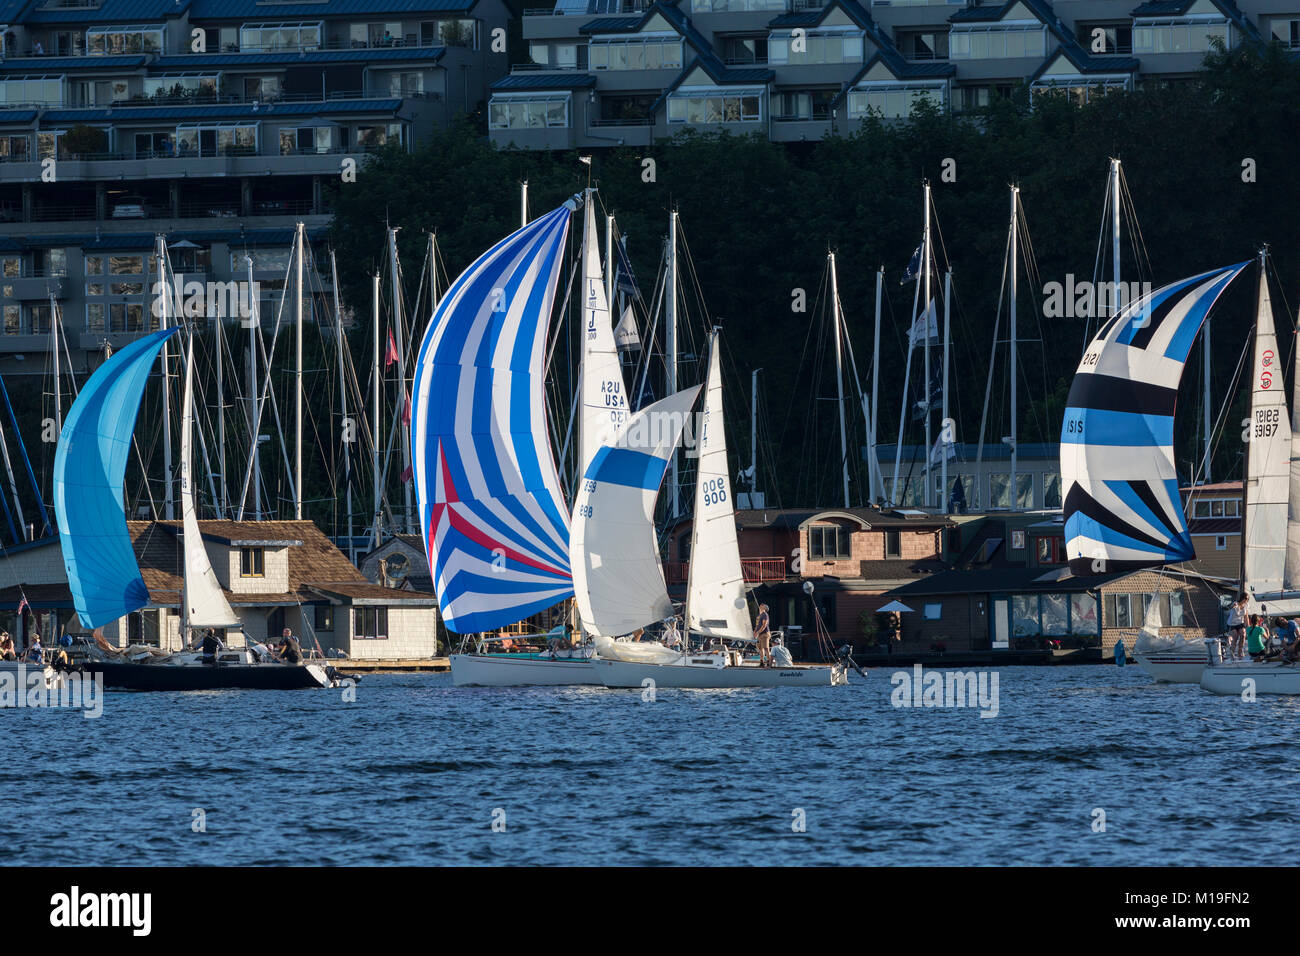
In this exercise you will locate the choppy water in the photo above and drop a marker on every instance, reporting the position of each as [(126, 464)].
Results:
[(412, 772)]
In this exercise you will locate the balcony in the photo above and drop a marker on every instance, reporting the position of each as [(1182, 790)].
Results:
[(755, 570), (36, 287)]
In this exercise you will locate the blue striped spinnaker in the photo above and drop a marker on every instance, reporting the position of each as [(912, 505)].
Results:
[(1121, 503)]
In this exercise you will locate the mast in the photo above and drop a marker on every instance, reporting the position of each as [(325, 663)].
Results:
[(166, 298), (610, 264), (222, 504), (927, 498), (297, 442), (54, 334), (1205, 401), (753, 437), (400, 341), (254, 394), (1015, 239), (839, 378), (343, 399), (877, 485), (374, 436), (523, 204), (670, 328), (943, 425), (1114, 229)]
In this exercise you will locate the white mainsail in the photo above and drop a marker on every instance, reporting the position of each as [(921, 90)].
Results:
[(1269, 466), (604, 399), (618, 579), (715, 601), (204, 605), (1291, 570)]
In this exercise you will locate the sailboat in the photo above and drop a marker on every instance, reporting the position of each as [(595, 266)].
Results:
[(103, 575), (716, 605), (1122, 506), (1271, 528), (492, 513)]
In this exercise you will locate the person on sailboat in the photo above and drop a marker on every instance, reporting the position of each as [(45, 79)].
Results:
[(763, 635), (672, 633), (1237, 628), (7, 647), (1255, 636), (289, 648), (35, 653), (211, 645)]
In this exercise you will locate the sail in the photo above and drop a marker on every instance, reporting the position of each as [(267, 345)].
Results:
[(1268, 470), (715, 594), (604, 399), (617, 576), (1121, 502), (89, 470), (1291, 569), (204, 603), (493, 516)]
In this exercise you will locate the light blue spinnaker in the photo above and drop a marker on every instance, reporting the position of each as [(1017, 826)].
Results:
[(89, 471)]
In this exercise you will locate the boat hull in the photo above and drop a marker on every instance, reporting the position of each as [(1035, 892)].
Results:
[(173, 677), (1173, 668), (1270, 677), (622, 674), (49, 676), (482, 670)]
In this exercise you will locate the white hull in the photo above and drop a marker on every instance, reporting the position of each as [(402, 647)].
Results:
[(708, 676), (1270, 677), (49, 675), (1184, 668), (474, 670)]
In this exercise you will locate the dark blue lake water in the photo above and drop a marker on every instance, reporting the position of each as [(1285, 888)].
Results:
[(413, 771)]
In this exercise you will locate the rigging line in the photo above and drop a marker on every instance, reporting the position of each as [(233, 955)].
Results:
[(1035, 282), (1141, 255), (785, 427), (1216, 429), (993, 352)]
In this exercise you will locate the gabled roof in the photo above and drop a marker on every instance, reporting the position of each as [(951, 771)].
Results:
[(718, 72), (901, 68), (564, 80), (1086, 62), (1017, 579), (1178, 8)]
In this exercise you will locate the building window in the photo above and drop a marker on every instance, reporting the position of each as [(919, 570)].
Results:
[(1105, 38), (828, 541), (280, 36), (815, 47), (14, 149), (110, 41), (324, 617), (998, 42), (742, 106), (933, 611), (252, 562), (370, 623), (1287, 32), (803, 105), (736, 6), (1179, 36), (529, 112), (1119, 610), (641, 53), (1220, 542), (1050, 550), (32, 90), (893, 544)]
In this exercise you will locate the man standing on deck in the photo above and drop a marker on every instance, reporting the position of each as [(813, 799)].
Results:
[(289, 647), (763, 635)]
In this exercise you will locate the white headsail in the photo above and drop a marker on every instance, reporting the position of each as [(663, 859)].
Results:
[(618, 580), (604, 399), (204, 603), (1269, 464), (715, 601)]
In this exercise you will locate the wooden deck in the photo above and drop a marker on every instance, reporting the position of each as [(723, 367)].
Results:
[(397, 666)]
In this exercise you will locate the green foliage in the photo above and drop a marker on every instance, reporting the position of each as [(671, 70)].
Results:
[(758, 218), (84, 140)]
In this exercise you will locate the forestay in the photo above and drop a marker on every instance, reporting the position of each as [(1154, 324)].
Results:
[(1121, 504)]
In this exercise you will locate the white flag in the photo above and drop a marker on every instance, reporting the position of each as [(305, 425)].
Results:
[(625, 333), (926, 325), (942, 450)]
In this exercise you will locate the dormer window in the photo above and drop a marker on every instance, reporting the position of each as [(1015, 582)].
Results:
[(828, 541), (252, 562)]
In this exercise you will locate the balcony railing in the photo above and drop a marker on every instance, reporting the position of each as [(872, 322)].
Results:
[(624, 121), (818, 116), (755, 570)]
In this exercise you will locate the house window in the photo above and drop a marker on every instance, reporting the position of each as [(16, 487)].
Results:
[(893, 544), (252, 563), (828, 541), (1220, 542), (1119, 609), (742, 106), (1050, 550), (370, 623), (933, 611), (324, 617)]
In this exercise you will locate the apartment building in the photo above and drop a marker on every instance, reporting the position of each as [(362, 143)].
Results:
[(626, 72), (215, 123)]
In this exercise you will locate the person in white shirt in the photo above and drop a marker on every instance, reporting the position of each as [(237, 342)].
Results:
[(1237, 628)]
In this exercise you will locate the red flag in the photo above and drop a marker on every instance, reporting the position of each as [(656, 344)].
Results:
[(390, 356), (406, 474), (22, 604), (406, 409)]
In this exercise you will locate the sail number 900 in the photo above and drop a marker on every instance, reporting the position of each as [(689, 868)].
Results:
[(715, 491)]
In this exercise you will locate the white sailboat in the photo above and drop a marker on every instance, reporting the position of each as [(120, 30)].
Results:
[(1170, 660), (1271, 565), (716, 596)]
